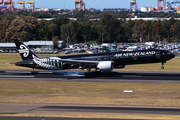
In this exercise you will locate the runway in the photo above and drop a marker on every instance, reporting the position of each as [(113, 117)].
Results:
[(50, 118), (16, 108), (76, 76)]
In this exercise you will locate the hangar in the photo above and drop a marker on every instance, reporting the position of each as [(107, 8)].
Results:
[(7, 47), (36, 46)]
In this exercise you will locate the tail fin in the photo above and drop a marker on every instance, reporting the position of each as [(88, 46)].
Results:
[(24, 50)]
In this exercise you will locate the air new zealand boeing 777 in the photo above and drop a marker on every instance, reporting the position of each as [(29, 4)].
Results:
[(100, 61)]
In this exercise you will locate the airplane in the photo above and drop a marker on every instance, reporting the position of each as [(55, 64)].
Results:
[(100, 62)]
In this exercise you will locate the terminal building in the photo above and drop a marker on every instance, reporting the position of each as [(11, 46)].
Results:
[(36, 46)]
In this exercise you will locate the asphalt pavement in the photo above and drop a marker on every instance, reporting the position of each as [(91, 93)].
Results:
[(18, 108), (79, 76), (50, 118)]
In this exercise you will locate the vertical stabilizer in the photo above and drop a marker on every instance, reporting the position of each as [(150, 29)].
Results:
[(25, 52)]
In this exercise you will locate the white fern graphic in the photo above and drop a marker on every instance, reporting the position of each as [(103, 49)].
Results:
[(46, 63)]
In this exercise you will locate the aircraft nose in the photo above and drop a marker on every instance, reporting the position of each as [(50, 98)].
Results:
[(171, 56)]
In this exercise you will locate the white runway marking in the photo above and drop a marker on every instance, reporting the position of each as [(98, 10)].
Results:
[(128, 91), (15, 76), (17, 71), (45, 72)]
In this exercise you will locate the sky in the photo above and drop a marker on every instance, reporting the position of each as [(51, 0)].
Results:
[(97, 4)]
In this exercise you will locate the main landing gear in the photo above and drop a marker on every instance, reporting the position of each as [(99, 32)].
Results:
[(92, 73)]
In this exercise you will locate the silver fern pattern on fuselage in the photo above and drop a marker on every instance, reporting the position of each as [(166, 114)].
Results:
[(45, 63)]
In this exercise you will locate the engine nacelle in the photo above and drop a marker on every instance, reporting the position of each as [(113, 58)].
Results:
[(105, 65)]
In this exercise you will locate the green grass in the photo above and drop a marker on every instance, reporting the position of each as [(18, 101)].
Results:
[(88, 93)]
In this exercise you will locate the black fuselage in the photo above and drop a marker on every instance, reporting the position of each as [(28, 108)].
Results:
[(101, 61), (126, 57), (120, 59)]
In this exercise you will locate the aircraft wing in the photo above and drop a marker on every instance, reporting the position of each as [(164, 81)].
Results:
[(79, 61)]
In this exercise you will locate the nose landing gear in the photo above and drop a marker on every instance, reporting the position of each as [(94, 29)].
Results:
[(163, 65)]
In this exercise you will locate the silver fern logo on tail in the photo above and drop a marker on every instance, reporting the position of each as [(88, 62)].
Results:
[(23, 49)]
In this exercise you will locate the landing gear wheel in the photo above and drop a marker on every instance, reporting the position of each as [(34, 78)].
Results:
[(92, 74), (162, 67), (86, 75)]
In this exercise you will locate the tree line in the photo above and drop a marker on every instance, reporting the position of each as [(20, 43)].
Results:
[(108, 29)]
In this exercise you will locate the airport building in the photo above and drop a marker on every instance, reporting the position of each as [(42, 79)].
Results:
[(37, 46), (7, 47)]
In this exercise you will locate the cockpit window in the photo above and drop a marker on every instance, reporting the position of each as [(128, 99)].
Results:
[(168, 53)]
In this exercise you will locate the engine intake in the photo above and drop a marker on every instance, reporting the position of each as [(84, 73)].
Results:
[(105, 66)]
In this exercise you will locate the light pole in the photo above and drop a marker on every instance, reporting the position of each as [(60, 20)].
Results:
[(144, 39), (175, 40), (67, 41), (159, 37), (103, 35), (141, 35), (85, 38)]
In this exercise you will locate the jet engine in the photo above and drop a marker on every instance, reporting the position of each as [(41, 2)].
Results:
[(105, 66)]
